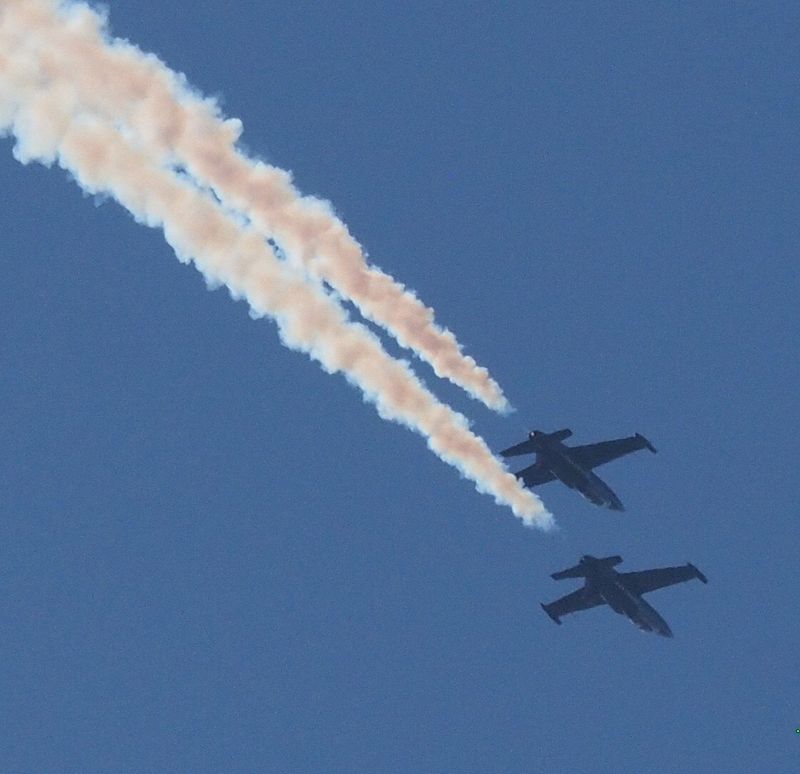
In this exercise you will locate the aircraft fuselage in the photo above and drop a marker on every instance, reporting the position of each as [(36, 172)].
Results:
[(557, 459), (621, 601)]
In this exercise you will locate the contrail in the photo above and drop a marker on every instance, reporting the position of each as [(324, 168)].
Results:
[(44, 113), (152, 102)]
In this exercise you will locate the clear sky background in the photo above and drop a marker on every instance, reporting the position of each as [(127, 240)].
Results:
[(216, 558)]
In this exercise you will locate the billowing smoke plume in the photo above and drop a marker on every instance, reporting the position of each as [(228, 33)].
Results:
[(148, 100), (53, 118)]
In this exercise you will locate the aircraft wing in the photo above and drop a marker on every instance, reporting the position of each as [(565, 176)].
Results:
[(650, 580), (526, 447), (582, 599), (594, 454), (534, 475)]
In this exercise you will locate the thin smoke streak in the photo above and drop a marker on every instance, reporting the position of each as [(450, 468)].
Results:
[(50, 123)]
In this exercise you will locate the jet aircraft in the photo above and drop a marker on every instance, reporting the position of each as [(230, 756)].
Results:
[(622, 591), (572, 465)]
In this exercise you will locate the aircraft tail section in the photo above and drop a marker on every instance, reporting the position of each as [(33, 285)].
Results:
[(587, 564), (560, 435)]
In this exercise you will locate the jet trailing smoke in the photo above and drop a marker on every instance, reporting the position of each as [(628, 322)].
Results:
[(123, 124)]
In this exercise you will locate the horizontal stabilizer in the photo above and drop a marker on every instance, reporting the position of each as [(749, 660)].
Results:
[(534, 443), (578, 571), (526, 447), (586, 564)]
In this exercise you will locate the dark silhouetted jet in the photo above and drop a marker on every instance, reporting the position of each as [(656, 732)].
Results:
[(622, 591), (572, 465)]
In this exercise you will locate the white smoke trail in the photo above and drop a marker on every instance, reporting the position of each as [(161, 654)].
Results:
[(50, 123), (153, 103)]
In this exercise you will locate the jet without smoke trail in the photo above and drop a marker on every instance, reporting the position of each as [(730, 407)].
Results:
[(49, 122), (126, 85)]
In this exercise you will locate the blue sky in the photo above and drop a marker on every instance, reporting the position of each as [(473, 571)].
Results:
[(215, 557)]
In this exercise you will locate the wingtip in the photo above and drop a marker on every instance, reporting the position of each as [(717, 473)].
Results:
[(552, 617), (647, 443), (699, 575)]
